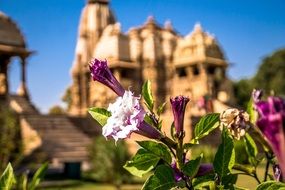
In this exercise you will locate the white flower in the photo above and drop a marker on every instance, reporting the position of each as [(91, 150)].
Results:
[(236, 121), (126, 117)]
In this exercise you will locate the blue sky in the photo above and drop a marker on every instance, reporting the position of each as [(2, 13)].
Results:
[(247, 31)]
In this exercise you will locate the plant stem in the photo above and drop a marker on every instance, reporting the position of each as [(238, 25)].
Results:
[(169, 142), (256, 177), (247, 171), (266, 168)]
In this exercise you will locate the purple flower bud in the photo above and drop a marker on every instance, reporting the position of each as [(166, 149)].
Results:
[(277, 172), (148, 131), (178, 105), (204, 169), (256, 95), (271, 123), (178, 175), (100, 72)]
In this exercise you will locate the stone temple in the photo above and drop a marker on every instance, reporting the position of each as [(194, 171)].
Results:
[(56, 138), (193, 65)]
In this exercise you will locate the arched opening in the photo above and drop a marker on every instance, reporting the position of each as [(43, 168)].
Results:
[(14, 74)]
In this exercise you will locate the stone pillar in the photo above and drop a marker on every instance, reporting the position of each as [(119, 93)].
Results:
[(22, 90), (4, 87)]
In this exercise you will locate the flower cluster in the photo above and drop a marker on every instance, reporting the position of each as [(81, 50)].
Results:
[(126, 117)]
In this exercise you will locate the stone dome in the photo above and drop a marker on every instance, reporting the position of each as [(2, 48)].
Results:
[(10, 34)]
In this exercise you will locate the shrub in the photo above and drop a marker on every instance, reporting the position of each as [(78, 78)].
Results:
[(108, 159)]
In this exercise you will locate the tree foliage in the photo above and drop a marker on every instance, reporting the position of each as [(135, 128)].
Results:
[(269, 77), (56, 110), (271, 72), (108, 159), (10, 142)]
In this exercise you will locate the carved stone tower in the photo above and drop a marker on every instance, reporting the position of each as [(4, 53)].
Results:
[(95, 16), (199, 60)]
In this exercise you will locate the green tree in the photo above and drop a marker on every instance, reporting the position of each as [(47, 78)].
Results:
[(10, 141), (108, 160), (270, 74), (56, 110), (269, 77), (67, 98), (242, 91)]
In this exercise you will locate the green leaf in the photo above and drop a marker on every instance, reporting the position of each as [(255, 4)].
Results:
[(158, 149), (147, 95), (101, 115), (38, 176), (271, 185), (229, 181), (160, 108), (162, 179), (204, 181), (149, 120), (248, 169), (23, 182), (206, 124), (191, 168), (239, 188), (172, 130), (143, 162), (225, 157), (188, 146), (7, 179), (251, 149)]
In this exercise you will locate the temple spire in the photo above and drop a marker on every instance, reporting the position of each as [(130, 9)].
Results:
[(98, 1)]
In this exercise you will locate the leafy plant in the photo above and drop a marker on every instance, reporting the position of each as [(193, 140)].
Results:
[(165, 158), (8, 179)]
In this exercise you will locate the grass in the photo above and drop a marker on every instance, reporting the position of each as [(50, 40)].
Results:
[(83, 185), (249, 182), (243, 181), (78, 185)]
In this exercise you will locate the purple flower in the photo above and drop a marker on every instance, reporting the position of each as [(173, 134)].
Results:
[(178, 105), (256, 95), (271, 122), (205, 169), (100, 72), (178, 175), (127, 115), (277, 172)]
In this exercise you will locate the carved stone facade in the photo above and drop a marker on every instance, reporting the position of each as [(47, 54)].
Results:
[(57, 138), (192, 65), (12, 44)]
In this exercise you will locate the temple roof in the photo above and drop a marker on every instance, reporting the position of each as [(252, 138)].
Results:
[(98, 1), (10, 34)]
